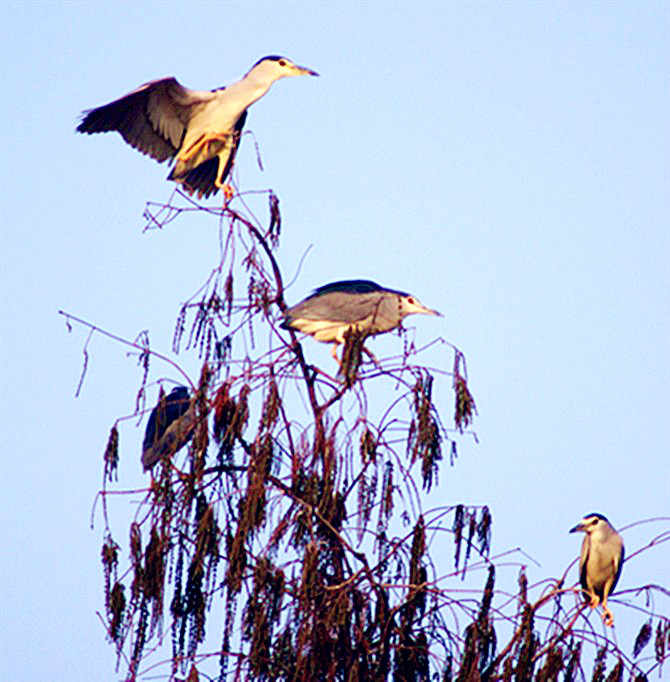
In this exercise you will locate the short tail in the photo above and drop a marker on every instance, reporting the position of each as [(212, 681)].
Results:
[(199, 180)]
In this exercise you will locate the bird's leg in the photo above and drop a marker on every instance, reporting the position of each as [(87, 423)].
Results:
[(608, 616), (189, 153), (333, 352), (219, 175), (595, 600), (197, 146), (228, 191)]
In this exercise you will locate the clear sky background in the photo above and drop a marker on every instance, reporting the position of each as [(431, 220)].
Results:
[(508, 163)]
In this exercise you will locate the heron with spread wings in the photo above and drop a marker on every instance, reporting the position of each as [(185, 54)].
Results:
[(199, 129)]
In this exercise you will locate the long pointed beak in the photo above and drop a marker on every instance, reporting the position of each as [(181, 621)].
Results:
[(429, 311), (577, 528), (304, 71)]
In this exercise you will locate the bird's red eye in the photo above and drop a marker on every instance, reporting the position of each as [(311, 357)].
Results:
[(410, 300), (282, 62)]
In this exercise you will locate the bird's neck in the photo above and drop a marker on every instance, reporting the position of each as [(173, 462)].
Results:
[(250, 89)]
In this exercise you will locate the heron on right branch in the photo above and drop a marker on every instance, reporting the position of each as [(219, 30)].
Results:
[(600, 561), (357, 305)]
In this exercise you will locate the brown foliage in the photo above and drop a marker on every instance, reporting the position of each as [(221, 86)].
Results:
[(297, 545)]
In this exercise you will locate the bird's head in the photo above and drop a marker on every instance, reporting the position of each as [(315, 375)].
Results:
[(273, 68), (410, 305), (591, 523)]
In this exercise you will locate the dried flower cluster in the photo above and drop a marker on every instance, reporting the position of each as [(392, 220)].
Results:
[(291, 541)]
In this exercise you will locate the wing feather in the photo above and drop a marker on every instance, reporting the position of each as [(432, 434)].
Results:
[(583, 561), (152, 118), (618, 565), (335, 306)]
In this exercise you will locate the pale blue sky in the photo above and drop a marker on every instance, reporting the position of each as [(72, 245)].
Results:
[(509, 163)]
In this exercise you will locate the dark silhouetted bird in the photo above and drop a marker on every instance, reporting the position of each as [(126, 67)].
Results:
[(170, 426)]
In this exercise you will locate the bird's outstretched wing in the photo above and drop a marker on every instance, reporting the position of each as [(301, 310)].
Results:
[(152, 119)]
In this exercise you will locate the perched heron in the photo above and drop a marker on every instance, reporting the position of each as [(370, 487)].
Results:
[(170, 426), (199, 129), (356, 305), (600, 561)]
